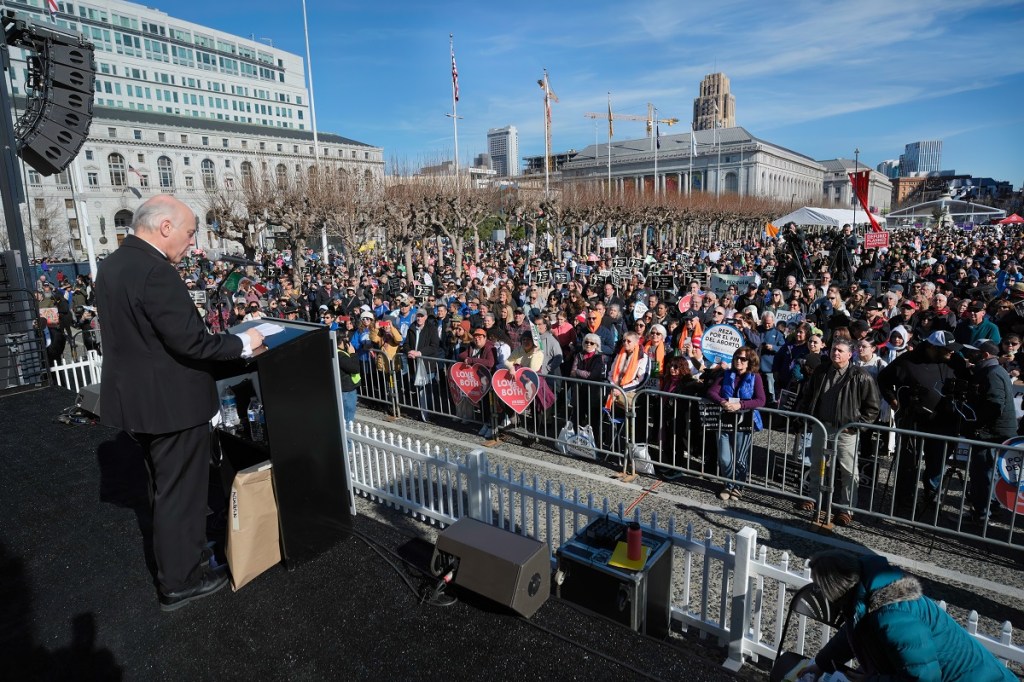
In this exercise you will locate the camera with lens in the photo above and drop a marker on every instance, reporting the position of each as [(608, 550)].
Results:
[(956, 389)]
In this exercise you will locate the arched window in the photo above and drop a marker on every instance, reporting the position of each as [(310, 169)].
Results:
[(117, 170), (282, 176), (209, 176), (246, 170), (166, 172), (732, 182), (123, 219)]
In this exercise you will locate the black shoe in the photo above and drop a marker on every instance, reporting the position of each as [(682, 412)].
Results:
[(208, 583)]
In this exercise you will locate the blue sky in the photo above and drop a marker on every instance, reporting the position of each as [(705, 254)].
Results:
[(819, 77)]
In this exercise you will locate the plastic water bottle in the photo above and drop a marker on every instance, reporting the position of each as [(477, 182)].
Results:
[(255, 414), (229, 409)]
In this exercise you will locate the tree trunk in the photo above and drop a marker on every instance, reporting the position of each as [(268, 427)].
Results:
[(408, 262), (458, 246)]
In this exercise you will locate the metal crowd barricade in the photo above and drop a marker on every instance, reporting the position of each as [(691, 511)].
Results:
[(577, 403), (682, 438), (891, 485), (588, 419), (377, 382), (424, 389)]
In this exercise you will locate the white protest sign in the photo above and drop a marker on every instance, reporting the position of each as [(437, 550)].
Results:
[(787, 315), (719, 342), (720, 283), (609, 242)]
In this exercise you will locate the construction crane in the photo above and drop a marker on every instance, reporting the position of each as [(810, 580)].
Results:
[(649, 118), (549, 97)]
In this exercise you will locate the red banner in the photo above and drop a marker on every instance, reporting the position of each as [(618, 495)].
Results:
[(861, 182)]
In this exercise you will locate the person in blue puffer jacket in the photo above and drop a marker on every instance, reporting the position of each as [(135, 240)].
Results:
[(893, 630)]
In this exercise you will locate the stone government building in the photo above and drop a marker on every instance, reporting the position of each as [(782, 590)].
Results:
[(749, 166)]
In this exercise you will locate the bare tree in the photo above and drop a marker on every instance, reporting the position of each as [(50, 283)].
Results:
[(50, 231)]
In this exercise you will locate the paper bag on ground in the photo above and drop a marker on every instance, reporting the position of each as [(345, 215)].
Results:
[(254, 542)]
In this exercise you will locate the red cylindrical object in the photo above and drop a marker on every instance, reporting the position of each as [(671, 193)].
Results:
[(634, 545)]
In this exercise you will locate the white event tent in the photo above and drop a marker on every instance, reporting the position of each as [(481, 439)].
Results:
[(826, 217)]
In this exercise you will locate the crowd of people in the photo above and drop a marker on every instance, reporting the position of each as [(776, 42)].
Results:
[(927, 329)]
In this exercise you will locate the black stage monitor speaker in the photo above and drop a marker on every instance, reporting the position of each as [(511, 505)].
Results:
[(89, 399), (507, 568)]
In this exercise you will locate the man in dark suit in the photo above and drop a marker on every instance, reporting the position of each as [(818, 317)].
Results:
[(157, 387), (422, 341)]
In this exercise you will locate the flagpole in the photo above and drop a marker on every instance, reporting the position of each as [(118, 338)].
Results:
[(693, 150), (455, 102), (312, 116), (609, 143), (856, 172), (657, 143)]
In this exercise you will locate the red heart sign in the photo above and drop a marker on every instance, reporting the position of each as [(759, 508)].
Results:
[(472, 380), (516, 390)]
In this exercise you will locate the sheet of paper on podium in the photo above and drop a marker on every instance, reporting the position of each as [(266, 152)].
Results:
[(269, 328)]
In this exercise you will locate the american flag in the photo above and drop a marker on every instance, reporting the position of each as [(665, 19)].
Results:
[(455, 76), (130, 167), (52, 6)]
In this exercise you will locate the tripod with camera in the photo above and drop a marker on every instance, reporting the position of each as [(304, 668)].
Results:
[(796, 249), (840, 261)]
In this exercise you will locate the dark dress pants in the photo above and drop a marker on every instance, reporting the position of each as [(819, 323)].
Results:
[(179, 472)]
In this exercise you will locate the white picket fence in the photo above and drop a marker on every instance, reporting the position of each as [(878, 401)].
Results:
[(728, 591), (74, 375)]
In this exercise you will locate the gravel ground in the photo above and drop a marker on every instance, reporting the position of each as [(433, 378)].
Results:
[(967, 575)]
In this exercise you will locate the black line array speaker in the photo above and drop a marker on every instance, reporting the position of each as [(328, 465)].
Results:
[(63, 112), (505, 567), (61, 79)]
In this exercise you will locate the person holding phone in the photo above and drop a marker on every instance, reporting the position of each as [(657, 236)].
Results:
[(740, 391)]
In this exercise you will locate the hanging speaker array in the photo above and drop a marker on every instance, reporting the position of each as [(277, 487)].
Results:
[(61, 82)]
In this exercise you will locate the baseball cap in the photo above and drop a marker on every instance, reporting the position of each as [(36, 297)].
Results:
[(875, 305), (910, 304), (860, 325), (366, 315), (945, 339), (976, 306), (896, 288), (989, 347), (479, 332), (323, 307), (421, 313), (689, 315)]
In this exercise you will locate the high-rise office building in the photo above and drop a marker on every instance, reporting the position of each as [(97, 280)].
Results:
[(921, 157), (890, 168), (179, 109), (715, 107), (503, 148)]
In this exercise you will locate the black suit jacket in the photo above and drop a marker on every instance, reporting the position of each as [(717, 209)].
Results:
[(156, 349), (429, 342)]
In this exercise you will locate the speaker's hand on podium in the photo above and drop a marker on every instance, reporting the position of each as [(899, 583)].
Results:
[(255, 338)]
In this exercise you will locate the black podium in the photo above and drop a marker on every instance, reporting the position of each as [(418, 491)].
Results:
[(296, 378)]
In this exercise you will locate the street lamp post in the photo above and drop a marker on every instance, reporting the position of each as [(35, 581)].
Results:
[(853, 189)]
